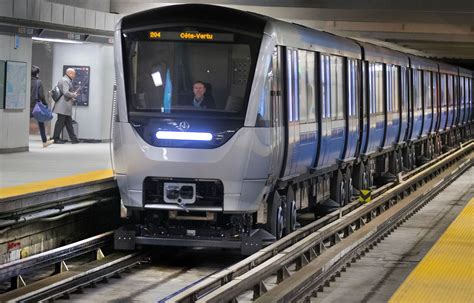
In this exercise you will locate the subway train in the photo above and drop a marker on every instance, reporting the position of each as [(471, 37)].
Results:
[(229, 124)]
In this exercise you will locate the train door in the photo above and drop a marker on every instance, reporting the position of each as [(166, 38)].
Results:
[(278, 120), (292, 108), (436, 103), (443, 102), (404, 98), (376, 106), (364, 109), (332, 115), (450, 102), (308, 135), (427, 98), (462, 100), (417, 105), (392, 109), (353, 100)]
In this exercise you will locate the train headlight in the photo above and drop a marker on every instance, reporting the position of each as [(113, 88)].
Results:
[(193, 136)]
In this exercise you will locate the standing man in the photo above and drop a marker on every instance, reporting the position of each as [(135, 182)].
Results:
[(63, 107)]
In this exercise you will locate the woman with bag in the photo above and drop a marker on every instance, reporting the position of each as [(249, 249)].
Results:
[(38, 104)]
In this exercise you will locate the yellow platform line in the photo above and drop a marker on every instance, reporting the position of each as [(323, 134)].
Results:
[(446, 273), (28, 188)]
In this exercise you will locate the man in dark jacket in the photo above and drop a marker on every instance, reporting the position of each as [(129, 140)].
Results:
[(37, 95), (200, 99)]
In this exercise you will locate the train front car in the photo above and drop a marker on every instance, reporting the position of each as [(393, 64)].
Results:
[(185, 129)]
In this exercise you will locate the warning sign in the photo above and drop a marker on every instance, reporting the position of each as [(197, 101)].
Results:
[(365, 196)]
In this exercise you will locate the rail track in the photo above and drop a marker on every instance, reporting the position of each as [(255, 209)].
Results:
[(306, 259), (301, 263), (65, 280)]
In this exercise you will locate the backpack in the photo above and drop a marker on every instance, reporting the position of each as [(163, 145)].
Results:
[(56, 93)]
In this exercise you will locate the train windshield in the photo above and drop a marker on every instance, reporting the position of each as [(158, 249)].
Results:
[(191, 72)]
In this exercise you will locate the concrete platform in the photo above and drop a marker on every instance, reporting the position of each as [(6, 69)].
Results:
[(55, 174), (55, 161)]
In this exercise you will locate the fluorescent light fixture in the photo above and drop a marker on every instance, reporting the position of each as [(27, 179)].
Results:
[(195, 136), (57, 40)]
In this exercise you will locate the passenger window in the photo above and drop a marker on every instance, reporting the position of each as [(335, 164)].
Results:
[(353, 86), (435, 89), (292, 84), (376, 88), (325, 86), (427, 89), (302, 88), (417, 89), (388, 72), (337, 88), (450, 90), (392, 88), (310, 85), (404, 86), (265, 107), (443, 90)]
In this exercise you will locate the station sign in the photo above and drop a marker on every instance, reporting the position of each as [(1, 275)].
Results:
[(190, 36)]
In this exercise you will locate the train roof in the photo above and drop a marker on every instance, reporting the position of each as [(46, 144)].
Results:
[(195, 13), (447, 68), (381, 54), (296, 35), (423, 63), (465, 72)]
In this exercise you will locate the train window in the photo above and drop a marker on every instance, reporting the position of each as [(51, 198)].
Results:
[(404, 87), (302, 85), (450, 91), (417, 104), (292, 84), (428, 100), (325, 86), (353, 86), (337, 87), (310, 85), (435, 90), (388, 72), (443, 90), (265, 107), (376, 97), (166, 76), (461, 89), (392, 88)]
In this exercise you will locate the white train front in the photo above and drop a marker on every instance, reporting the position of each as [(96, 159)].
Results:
[(228, 123)]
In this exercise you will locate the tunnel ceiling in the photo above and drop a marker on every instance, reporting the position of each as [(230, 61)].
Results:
[(438, 29)]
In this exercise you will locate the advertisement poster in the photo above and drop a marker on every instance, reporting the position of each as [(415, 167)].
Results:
[(80, 83), (15, 85)]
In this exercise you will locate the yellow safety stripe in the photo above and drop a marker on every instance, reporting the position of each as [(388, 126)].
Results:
[(28, 188), (446, 273)]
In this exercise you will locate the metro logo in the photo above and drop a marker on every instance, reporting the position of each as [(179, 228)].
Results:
[(196, 36)]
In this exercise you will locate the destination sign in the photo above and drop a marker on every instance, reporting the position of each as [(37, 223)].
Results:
[(190, 36)]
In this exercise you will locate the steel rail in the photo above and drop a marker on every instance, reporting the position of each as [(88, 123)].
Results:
[(244, 269), (305, 283), (71, 281), (54, 256)]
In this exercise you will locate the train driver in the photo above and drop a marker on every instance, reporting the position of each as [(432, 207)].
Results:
[(200, 99)]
